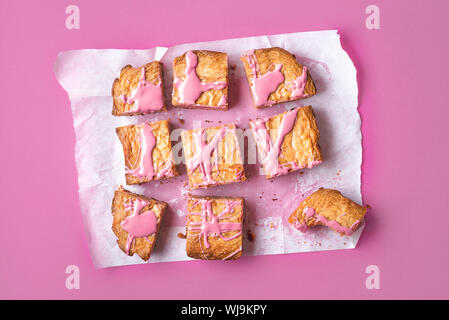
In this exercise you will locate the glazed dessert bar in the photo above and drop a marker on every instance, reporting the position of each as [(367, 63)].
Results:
[(201, 80), (212, 156), (287, 142), (327, 207), (214, 228), (138, 90), (136, 222), (274, 76), (147, 151)]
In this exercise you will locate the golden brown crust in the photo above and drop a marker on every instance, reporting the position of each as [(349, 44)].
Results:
[(230, 166), (301, 144), (333, 206), (219, 249), (128, 81), (129, 137), (140, 246), (212, 67), (291, 69)]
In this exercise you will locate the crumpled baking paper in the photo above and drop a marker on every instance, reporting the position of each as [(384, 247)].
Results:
[(87, 76)]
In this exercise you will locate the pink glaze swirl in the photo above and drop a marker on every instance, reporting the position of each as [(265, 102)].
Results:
[(232, 253), (146, 98), (191, 88), (144, 166), (310, 215), (269, 151), (298, 85), (211, 224), (138, 224), (262, 86), (202, 158)]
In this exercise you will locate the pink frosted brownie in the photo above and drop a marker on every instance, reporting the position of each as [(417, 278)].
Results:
[(274, 76), (214, 228), (147, 151), (327, 207), (201, 80), (288, 141), (136, 222), (138, 90), (212, 156)]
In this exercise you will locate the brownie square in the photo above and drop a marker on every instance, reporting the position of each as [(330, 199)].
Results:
[(274, 76), (327, 207), (212, 156), (287, 142), (214, 228), (147, 151), (136, 222), (139, 90), (201, 80)]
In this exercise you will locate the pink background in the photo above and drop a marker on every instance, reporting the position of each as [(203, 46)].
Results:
[(403, 103)]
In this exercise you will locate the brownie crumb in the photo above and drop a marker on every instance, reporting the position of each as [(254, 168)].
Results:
[(181, 121), (368, 206), (208, 121), (274, 199), (233, 66), (301, 172), (250, 235), (181, 235)]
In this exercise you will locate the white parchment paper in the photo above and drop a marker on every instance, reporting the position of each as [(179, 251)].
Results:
[(87, 76)]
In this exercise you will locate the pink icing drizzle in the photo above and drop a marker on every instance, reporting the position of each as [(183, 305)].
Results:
[(310, 214), (298, 85), (204, 152), (190, 89), (223, 101), (138, 224), (232, 254), (145, 157), (263, 86), (211, 225), (147, 97), (268, 150)]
